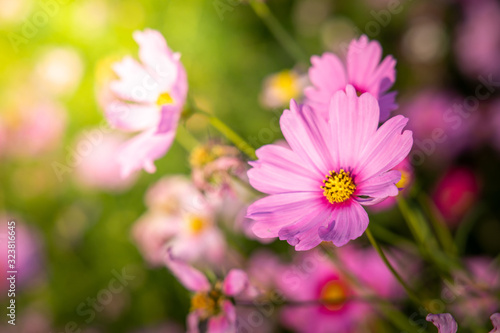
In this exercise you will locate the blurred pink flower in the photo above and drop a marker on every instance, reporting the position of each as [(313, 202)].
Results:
[(406, 181), (99, 168), (210, 302), (150, 98), (441, 124), (476, 299), (213, 167), (495, 320), (362, 69), (32, 129), (181, 218), (456, 193), (312, 277), (279, 88), (317, 188), (444, 322), (28, 253), (478, 38)]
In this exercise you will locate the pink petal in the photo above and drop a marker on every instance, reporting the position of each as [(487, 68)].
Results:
[(353, 121), (495, 320), (142, 150), (235, 282), (224, 323), (380, 186), (348, 222), (159, 59), (276, 211), (367, 75), (135, 83), (387, 103), (308, 136), (191, 278), (443, 321), (328, 76), (303, 233), (132, 117), (279, 170), (386, 149)]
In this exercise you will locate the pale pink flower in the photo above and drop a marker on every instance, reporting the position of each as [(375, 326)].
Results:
[(279, 88), (456, 194), (150, 99), (476, 299), (213, 167), (179, 217), (32, 129), (362, 69), (330, 299), (318, 187), (99, 169), (209, 302)]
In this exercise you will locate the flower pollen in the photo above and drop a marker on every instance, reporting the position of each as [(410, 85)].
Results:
[(338, 186), (334, 295), (164, 98), (207, 303)]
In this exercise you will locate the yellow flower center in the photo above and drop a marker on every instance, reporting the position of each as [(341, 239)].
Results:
[(338, 186), (286, 83), (164, 98), (405, 179), (208, 303), (334, 295), (201, 156), (196, 224)]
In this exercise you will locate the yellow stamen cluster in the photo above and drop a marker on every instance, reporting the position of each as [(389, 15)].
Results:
[(196, 224), (333, 295), (208, 303), (164, 98), (338, 186), (405, 179)]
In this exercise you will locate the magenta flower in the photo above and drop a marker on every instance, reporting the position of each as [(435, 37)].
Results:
[(443, 321), (330, 299), (210, 304), (362, 69), (150, 98), (318, 186)]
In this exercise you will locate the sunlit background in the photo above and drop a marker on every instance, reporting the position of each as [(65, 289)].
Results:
[(75, 221)]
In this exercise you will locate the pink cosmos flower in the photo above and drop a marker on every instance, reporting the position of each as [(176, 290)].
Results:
[(444, 322), (477, 300), (313, 278), (210, 304), (456, 193), (181, 218), (150, 98), (362, 69), (317, 187), (98, 169)]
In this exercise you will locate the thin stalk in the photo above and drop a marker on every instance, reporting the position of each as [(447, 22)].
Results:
[(287, 42), (186, 139), (398, 277)]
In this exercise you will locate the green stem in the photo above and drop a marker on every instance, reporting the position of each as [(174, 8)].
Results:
[(231, 135), (287, 42), (443, 233), (186, 139), (398, 277)]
